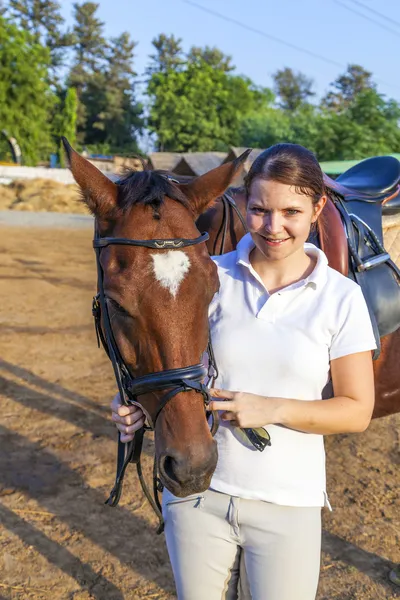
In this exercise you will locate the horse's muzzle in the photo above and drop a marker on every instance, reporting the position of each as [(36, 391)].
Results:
[(185, 474)]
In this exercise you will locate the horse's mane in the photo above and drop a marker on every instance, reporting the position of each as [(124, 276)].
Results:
[(149, 188)]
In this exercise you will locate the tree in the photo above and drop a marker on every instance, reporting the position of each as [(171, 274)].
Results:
[(65, 123), (199, 107), (113, 116), (26, 98), (43, 19), (168, 55), (90, 51), (347, 87), (368, 127), (293, 89), (212, 56), (263, 128)]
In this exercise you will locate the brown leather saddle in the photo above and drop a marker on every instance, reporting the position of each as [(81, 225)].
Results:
[(350, 233)]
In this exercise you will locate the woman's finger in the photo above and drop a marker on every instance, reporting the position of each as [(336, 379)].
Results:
[(222, 393), (126, 438), (131, 409), (116, 402), (129, 419), (229, 416), (222, 405), (130, 429)]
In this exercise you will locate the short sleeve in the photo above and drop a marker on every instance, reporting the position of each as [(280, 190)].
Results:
[(354, 331)]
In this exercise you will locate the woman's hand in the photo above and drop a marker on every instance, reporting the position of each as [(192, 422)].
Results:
[(127, 418), (245, 410)]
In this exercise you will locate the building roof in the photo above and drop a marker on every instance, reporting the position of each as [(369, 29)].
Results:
[(235, 152), (198, 163), (164, 161)]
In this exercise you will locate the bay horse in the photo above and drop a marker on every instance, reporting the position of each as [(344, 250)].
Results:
[(225, 223), (155, 283)]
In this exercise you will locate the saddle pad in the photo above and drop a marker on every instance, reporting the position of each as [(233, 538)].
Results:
[(391, 236)]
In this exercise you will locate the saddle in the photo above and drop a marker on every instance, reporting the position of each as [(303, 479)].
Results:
[(350, 233)]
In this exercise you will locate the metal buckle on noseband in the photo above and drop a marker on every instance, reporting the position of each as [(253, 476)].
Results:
[(180, 380)]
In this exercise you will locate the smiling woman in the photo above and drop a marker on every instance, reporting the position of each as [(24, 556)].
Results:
[(285, 196)]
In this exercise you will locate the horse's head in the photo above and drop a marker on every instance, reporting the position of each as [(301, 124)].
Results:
[(157, 299)]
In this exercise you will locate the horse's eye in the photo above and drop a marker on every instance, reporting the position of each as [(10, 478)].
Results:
[(114, 304)]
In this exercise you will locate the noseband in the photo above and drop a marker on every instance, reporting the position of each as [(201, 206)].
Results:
[(176, 381)]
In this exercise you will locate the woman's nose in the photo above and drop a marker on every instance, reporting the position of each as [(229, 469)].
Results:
[(273, 223)]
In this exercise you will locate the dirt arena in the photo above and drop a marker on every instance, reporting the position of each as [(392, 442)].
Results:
[(57, 459)]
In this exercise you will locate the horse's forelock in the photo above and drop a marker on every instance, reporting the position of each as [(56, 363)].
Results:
[(149, 188)]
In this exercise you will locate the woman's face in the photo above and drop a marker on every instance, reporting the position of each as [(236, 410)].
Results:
[(279, 219)]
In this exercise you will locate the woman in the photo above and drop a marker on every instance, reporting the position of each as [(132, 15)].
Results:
[(283, 325)]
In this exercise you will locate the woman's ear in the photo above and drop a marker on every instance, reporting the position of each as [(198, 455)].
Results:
[(318, 208)]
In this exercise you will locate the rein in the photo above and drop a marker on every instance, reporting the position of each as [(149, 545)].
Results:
[(227, 203), (184, 379)]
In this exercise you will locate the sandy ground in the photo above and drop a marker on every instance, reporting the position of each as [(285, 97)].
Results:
[(57, 459)]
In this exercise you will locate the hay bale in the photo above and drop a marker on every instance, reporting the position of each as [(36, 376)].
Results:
[(7, 196), (42, 195)]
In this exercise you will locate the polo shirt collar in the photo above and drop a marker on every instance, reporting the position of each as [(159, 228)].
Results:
[(317, 277)]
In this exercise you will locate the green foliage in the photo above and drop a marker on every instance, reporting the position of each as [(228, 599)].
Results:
[(89, 53), (194, 102), (212, 56), (103, 75), (368, 127), (42, 18), (356, 123), (293, 89), (26, 99), (199, 108), (112, 116), (168, 54), (347, 87), (65, 122)]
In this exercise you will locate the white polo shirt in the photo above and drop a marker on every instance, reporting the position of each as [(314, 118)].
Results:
[(281, 345)]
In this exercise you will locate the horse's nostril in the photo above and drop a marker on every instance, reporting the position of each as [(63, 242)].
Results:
[(167, 466)]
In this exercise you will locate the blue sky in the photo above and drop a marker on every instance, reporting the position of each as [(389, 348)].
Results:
[(321, 27)]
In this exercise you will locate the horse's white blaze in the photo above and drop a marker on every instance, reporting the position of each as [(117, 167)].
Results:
[(170, 269)]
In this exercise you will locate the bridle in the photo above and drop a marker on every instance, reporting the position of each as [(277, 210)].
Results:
[(227, 203), (176, 381)]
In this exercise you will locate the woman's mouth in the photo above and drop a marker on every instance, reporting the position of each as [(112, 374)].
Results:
[(274, 242)]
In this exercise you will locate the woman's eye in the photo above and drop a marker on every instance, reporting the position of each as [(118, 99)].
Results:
[(257, 209), (292, 211)]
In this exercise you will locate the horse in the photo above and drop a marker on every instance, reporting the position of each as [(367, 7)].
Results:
[(155, 283), (371, 186)]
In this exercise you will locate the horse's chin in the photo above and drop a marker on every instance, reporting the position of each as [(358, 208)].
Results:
[(197, 486)]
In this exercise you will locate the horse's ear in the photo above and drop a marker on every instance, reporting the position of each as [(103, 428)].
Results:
[(99, 193), (206, 188)]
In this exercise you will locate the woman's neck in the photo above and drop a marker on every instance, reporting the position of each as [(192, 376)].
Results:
[(277, 274)]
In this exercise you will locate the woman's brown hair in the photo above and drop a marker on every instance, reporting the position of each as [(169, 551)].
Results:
[(291, 164)]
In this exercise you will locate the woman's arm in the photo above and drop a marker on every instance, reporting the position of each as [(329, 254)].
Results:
[(350, 410)]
